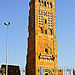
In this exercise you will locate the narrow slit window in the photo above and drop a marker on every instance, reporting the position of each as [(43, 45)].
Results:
[(45, 31), (45, 21), (51, 4), (48, 4), (45, 4), (41, 29), (46, 50), (51, 32)]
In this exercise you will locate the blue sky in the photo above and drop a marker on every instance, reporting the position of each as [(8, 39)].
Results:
[(17, 11)]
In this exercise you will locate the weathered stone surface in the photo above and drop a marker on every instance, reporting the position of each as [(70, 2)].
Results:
[(42, 45)]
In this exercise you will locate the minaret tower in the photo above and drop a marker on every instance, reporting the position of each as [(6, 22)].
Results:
[(42, 46)]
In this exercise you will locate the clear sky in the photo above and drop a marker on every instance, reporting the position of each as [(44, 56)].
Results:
[(17, 11)]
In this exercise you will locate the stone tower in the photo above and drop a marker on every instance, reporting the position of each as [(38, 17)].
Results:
[(42, 46)]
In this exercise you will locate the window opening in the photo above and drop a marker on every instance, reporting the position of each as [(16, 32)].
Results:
[(45, 21), (45, 31), (45, 4), (51, 32), (41, 29), (51, 4), (46, 50), (48, 4), (46, 74)]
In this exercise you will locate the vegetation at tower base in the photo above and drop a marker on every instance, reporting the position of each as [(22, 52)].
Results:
[(12, 70), (42, 45)]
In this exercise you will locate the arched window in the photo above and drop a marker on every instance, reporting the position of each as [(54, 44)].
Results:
[(42, 1), (46, 74), (51, 4), (46, 50), (52, 56), (48, 4), (41, 29), (45, 4), (51, 32)]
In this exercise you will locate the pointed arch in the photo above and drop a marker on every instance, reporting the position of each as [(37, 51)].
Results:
[(48, 48)]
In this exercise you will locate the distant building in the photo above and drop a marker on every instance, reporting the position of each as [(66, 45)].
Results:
[(12, 70), (60, 72)]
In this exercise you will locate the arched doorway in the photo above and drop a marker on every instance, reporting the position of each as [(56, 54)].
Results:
[(46, 74)]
